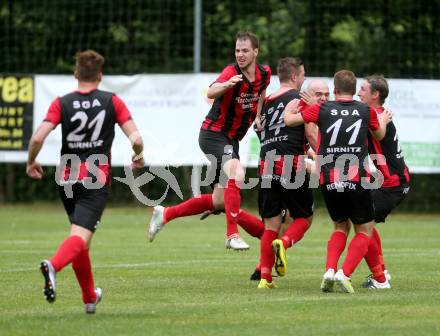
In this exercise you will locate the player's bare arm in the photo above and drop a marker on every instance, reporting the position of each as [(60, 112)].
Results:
[(33, 168), (259, 108), (218, 89), (291, 115), (130, 130), (311, 131)]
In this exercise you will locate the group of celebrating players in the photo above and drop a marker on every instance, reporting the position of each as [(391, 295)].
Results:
[(338, 136)]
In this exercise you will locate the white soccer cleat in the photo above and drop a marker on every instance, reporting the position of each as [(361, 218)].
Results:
[(343, 282), (328, 281), (91, 307), (48, 272), (374, 284), (156, 222), (236, 243), (387, 275), (367, 283)]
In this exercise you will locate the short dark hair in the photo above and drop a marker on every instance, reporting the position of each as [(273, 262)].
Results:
[(89, 65), (378, 83), (345, 82), (287, 66), (249, 36)]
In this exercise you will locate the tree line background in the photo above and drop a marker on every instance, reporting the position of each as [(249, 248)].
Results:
[(398, 38)]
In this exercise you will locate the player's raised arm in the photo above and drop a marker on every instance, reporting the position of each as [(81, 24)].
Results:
[(218, 89), (308, 97), (378, 123), (291, 115), (259, 108), (33, 168)]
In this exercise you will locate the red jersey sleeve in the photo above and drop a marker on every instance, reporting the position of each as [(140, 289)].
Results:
[(302, 105), (226, 74), (54, 112), (122, 113), (374, 122), (311, 113)]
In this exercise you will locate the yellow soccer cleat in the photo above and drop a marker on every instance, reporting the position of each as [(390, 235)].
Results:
[(266, 285), (280, 257)]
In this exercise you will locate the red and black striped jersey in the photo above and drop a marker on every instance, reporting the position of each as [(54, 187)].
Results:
[(235, 111), (394, 169), (343, 129), (87, 126)]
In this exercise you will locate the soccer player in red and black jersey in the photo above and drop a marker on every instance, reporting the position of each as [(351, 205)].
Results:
[(280, 164), (373, 91), (87, 117), (238, 92), (342, 148)]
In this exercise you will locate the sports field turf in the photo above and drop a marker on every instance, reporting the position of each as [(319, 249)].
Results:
[(186, 283)]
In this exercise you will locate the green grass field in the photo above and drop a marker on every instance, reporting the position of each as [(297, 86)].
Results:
[(186, 283)]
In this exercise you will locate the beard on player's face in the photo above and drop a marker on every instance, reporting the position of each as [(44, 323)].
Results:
[(245, 61)]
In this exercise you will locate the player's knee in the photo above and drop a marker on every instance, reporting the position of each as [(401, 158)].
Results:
[(83, 233), (366, 228), (218, 203), (237, 175), (234, 170), (273, 223), (343, 227)]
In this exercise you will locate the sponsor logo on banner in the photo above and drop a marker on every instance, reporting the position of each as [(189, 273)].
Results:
[(16, 111)]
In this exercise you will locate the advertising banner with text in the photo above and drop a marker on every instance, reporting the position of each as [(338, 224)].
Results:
[(16, 111), (169, 110)]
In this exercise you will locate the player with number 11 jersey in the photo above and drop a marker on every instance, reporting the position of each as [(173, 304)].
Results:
[(342, 152)]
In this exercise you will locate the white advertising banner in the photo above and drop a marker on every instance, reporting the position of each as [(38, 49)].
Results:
[(169, 110)]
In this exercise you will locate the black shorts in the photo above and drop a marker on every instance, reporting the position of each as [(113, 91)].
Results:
[(354, 204), (271, 201), (219, 149), (86, 206), (386, 199)]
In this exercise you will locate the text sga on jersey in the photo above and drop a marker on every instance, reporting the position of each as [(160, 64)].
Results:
[(334, 112), (85, 104)]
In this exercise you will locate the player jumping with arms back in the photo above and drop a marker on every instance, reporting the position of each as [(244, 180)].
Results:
[(238, 93)]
